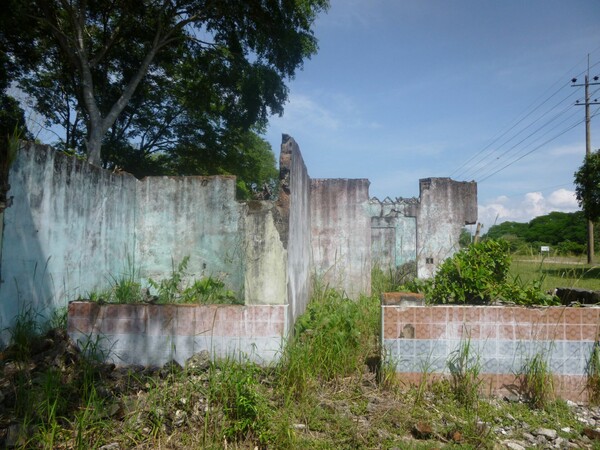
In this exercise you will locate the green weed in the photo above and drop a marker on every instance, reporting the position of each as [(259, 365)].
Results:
[(169, 289), (24, 333), (391, 279), (235, 388), (465, 367), (334, 338), (593, 375), (426, 365), (536, 381), (126, 288)]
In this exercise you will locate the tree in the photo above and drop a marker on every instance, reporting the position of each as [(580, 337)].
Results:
[(587, 186), (130, 73), (565, 232)]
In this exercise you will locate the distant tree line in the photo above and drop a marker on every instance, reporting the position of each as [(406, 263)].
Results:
[(565, 233)]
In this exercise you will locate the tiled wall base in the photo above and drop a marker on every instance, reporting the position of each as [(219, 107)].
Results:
[(419, 339), (152, 335)]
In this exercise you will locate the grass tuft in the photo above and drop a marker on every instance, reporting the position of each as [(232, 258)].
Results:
[(536, 381), (464, 366), (593, 375)]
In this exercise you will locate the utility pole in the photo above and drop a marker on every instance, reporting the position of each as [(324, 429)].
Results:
[(588, 147)]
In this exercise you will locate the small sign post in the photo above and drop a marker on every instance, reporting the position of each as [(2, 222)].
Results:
[(545, 249)]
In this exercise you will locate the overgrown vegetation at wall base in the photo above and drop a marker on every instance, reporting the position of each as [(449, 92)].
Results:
[(333, 339), (479, 274), (127, 288), (328, 391)]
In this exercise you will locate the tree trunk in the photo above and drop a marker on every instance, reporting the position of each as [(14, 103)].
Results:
[(94, 145)]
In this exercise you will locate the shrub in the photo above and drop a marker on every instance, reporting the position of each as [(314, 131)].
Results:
[(473, 275), (479, 275)]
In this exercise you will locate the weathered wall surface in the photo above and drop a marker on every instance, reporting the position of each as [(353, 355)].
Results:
[(73, 228), (190, 216), (445, 207), (265, 258), (294, 203), (393, 231), (153, 335), (503, 339), (70, 225), (341, 234)]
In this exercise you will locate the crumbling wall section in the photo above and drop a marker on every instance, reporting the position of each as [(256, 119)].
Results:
[(69, 226), (265, 257), (445, 207), (294, 206), (341, 234), (393, 231)]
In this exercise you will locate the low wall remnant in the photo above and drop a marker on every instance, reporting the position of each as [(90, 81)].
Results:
[(503, 338), (153, 335)]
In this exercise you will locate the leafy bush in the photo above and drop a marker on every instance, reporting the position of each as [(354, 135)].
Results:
[(567, 248), (479, 275), (527, 294), (473, 275)]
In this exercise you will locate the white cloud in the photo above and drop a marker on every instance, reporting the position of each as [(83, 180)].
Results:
[(353, 13), (303, 111), (525, 208), (563, 200)]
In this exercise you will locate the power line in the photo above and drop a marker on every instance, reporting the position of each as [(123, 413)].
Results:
[(536, 148), (483, 165), (484, 173), (477, 162), (519, 121)]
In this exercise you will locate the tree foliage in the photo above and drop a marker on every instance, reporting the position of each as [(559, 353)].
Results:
[(148, 81), (587, 186), (565, 232)]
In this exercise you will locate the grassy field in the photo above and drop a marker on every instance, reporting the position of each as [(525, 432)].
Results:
[(557, 272)]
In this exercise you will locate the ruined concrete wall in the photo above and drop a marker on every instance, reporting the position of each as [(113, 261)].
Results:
[(70, 226), (445, 207), (295, 210), (341, 234), (265, 258), (177, 217), (393, 231)]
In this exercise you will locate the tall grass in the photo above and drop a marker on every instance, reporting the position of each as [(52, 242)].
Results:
[(333, 339), (536, 380)]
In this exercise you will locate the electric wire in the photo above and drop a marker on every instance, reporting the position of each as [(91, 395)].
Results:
[(482, 165), (517, 123), (486, 169), (477, 163), (538, 147), (575, 112)]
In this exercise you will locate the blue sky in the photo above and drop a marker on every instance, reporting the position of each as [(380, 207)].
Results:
[(408, 89)]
